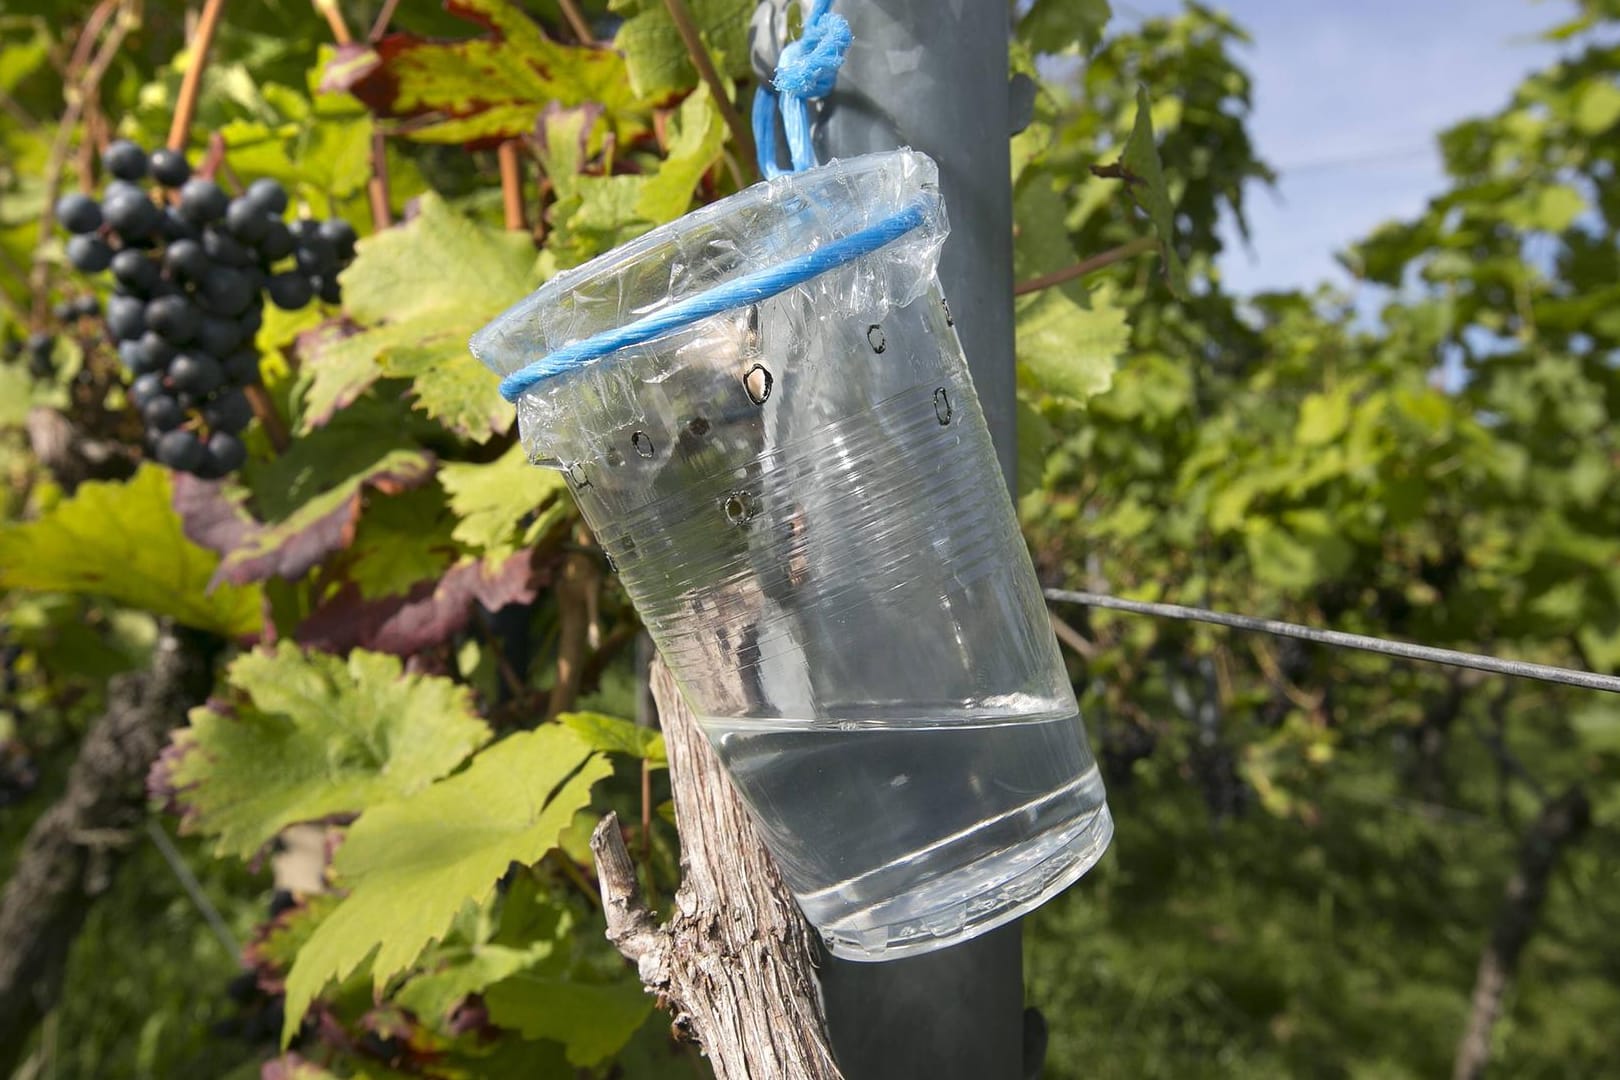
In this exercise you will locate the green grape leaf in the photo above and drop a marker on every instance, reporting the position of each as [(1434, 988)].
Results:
[(1068, 351), (311, 735), (491, 502), (450, 386), (1054, 26), (695, 143), (419, 292), (1139, 167), (593, 1021), (125, 542), (480, 91), (656, 58), (401, 540), (411, 865), (616, 736)]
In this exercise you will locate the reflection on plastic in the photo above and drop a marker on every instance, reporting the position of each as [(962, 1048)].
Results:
[(827, 558)]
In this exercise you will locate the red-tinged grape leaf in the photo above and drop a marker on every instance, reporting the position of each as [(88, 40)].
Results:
[(257, 551), (430, 613), (307, 735), (482, 90), (212, 514), (124, 541)]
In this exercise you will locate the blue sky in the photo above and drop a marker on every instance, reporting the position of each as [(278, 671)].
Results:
[(1349, 95)]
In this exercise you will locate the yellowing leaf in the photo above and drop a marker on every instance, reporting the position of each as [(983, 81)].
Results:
[(699, 133), (124, 541), (492, 501), (315, 735), (1066, 350), (412, 865)]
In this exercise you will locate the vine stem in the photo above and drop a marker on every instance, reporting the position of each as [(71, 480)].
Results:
[(511, 184), (377, 186), (1087, 266), (576, 22), (83, 76), (682, 16), (185, 106)]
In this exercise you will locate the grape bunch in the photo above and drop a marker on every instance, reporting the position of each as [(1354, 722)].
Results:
[(190, 274)]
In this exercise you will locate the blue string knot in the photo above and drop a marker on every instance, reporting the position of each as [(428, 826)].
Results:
[(807, 69)]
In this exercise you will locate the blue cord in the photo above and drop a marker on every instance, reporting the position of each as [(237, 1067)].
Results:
[(806, 69), (739, 292)]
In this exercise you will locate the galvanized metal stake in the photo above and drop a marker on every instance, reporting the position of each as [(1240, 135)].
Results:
[(932, 74)]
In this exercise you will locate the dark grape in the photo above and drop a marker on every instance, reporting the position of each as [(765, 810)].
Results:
[(161, 412), (120, 189), (290, 291), (126, 318), (340, 234), (247, 220), (277, 242), (174, 317), (131, 353), (227, 291), (169, 167), (89, 254), (268, 195), (242, 366), (145, 388), (228, 411), (158, 351), (217, 336), (224, 250), (180, 450), (227, 452), (78, 213), (187, 261), (66, 311), (252, 319), (305, 230), (135, 271), (86, 306), (327, 289), (316, 258), (202, 201), (195, 373), (132, 215), (124, 160), (40, 344), (175, 227)]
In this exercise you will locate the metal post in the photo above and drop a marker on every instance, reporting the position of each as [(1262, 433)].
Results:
[(933, 75)]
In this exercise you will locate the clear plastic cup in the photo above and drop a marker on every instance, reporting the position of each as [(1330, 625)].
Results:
[(801, 499)]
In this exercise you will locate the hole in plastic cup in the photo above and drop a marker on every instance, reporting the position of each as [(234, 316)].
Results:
[(950, 320), (697, 426), (740, 507), (577, 477), (614, 458), (643, 444), (757, 383), (875, 338), (942, 406)]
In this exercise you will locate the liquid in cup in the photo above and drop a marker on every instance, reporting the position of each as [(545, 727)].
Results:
[(801, 499)]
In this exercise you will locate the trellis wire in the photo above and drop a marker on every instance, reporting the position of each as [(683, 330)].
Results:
[(1519, 669)]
